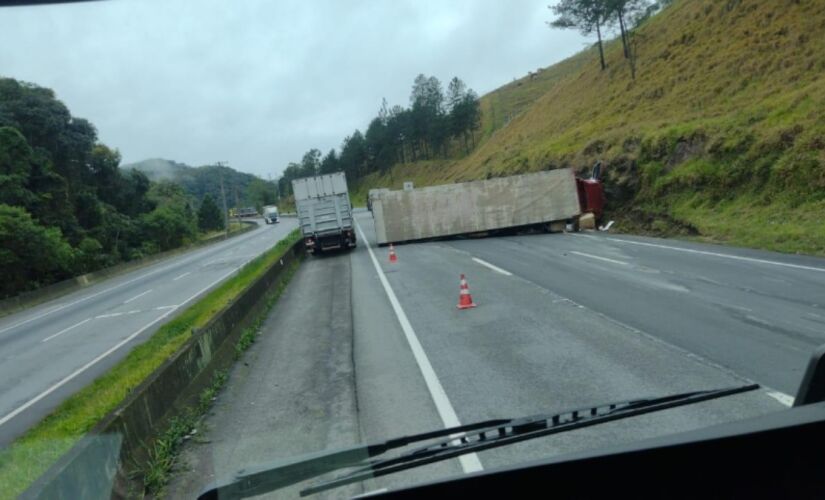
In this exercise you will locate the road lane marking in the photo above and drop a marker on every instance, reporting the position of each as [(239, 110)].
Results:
[(783, 398), (161, 308), (61, 332), (96, 360), (494, 268), (137, 296), (724, 256), (110, 315), (469, 462), (620, 262), (187, 273)]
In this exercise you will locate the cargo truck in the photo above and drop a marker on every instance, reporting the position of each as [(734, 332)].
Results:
[(271, 214), (324, 212), (548, 200)]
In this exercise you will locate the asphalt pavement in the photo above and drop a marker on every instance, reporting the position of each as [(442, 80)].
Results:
[(562, 321), (50, 351)]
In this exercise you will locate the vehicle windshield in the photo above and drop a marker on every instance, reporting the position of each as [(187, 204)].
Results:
[(248, 235)]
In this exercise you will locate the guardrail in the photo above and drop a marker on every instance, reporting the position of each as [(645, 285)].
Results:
[(61, 288), (100, 465)]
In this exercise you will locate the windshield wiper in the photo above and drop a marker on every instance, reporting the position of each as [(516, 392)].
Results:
[(457, 441)]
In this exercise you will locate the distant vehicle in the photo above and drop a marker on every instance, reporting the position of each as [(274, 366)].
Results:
[(550, 200), (324, 212), (246, 212), (271, 214)]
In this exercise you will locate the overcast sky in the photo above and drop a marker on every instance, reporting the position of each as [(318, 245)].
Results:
[(257, 83)]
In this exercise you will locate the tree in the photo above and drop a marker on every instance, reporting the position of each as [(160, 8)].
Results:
[(329, 164), (210, 217), (311, 163), (30, 254), (261, 193), (622, 10), (585, 15)]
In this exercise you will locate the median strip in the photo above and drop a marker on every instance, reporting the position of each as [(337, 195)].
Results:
[(27, 458)]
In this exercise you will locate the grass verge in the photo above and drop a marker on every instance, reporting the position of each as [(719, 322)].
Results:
[(32, 454)]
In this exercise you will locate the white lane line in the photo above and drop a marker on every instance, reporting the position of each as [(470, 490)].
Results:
[(137, 296), (494, 268), (469, 462), (161, 308), (61, 332), (110, 315), (589, 256), (187, 273), (723, 255), (185, 260), (783, 398), (112, 349)]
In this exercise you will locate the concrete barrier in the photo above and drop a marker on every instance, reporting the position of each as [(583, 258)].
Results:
[(56, 290), (103, 463)]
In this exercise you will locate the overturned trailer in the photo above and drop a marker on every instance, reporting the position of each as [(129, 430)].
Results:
[(536, 199)]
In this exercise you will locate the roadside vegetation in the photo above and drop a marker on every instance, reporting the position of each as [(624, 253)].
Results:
[(437, 125), (66, 206), (33, 453), (716, 134)]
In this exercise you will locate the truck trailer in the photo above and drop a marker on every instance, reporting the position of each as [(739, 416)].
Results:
[(549, 199), (324, 212)]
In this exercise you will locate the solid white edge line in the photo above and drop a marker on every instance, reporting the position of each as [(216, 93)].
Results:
[(783, 398), (61, 332), (724, 256), (137, 296), (469, 462), (589, 256), (112, 349), (491, 266)]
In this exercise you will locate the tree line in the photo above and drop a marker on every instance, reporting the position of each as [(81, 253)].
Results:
[(436, 124), (66, 208), (597, 16)]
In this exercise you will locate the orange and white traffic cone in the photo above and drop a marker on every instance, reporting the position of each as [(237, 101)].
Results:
[(465, 300), (393, 257)]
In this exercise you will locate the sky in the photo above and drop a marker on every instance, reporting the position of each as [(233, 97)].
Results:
[(257, 83)]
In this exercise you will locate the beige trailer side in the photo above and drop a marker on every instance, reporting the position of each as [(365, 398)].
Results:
[(476, 206)]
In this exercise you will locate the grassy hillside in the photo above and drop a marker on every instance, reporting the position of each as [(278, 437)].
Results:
[(721, 135)]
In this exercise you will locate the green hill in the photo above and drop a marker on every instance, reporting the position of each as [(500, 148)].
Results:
[(241, 189), (720, 136)]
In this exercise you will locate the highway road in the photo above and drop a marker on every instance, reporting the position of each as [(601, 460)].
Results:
[(359, 349), (50, 351)]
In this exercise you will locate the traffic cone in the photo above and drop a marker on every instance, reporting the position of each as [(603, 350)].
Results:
[(393, 257), (465, 300)]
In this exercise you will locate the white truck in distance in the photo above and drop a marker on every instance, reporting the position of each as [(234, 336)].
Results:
[(271, 214), (324, 212)]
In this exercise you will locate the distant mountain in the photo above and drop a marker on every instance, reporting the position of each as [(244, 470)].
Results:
[(241, 189)]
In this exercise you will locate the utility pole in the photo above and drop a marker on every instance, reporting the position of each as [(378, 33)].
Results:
[(223, 197)]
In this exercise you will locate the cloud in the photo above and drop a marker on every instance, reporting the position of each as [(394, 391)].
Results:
[(256, 82)]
